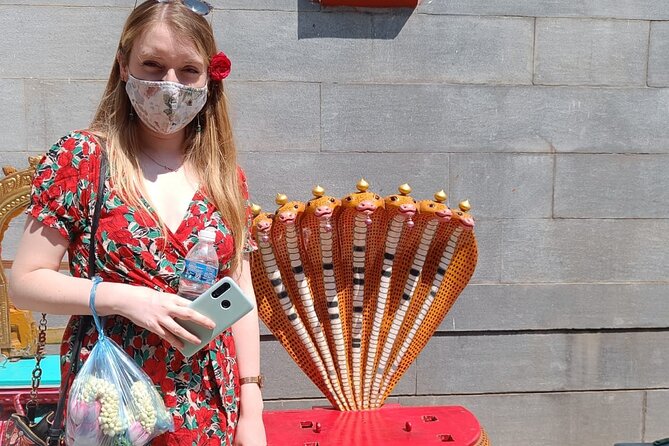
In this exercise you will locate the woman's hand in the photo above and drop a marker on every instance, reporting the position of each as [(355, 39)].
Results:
[(156, 311)]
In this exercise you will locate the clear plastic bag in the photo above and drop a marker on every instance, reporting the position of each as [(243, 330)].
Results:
[(112, 401)]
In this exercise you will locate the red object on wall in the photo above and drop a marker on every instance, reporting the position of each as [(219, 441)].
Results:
[(392, 425), (372, 3)]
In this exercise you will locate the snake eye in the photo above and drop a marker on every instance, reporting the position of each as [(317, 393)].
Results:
[(393, 198), (460, 214), (332, 200), (348, 198), (309, 204), (296, 207), (376, 197), (414, 202), (431, 205)]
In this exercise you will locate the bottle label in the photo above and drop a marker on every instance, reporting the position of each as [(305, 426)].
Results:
[(199, 272)]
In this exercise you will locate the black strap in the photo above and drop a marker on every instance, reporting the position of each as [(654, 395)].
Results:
[(56, 430)]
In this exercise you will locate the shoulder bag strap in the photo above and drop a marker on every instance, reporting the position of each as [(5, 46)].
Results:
[(56, 430)]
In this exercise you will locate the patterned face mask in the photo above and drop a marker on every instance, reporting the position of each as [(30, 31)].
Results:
[(165, 107)]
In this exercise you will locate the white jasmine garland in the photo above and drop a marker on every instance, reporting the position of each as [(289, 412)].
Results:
[(143, 401), (103, 391)]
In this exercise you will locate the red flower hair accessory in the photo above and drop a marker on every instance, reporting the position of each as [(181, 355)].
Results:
[(219, 67)]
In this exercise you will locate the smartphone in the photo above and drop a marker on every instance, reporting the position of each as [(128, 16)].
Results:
[(224, 303)]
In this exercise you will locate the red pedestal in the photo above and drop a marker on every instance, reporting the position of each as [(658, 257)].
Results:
[(392, 425)]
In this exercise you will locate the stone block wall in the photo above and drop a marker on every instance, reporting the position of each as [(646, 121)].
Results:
[(551, 117)]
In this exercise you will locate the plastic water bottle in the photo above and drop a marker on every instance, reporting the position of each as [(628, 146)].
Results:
[(201, 266)]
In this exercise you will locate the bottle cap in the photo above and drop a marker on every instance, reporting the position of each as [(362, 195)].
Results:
[(207, 234)]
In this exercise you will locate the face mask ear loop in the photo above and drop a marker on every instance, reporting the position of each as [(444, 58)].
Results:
[(198, 129)]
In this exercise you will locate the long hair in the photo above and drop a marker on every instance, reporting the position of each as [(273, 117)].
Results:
[(211, 152)]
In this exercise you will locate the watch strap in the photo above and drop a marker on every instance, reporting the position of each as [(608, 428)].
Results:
[(260, 380)]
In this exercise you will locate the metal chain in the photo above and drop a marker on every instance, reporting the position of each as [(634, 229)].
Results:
[(39, 354)]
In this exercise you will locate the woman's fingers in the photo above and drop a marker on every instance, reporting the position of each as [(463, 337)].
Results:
[(188, 314), (176, 329), (160, 317), (181, 301), (167, 335)]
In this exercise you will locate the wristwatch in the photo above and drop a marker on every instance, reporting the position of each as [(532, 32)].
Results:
[(260, 380)]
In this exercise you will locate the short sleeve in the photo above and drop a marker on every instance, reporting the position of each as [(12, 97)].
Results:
[(250, 245), (61, 177)]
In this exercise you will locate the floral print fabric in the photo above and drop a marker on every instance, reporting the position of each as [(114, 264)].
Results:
[(202, 391), (165, 107)]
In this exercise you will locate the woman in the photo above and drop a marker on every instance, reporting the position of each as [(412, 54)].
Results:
[(164, 127)]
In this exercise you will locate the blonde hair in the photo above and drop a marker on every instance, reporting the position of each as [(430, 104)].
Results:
[(211, 152)]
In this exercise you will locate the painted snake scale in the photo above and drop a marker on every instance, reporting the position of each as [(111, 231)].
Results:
[(354, 288)]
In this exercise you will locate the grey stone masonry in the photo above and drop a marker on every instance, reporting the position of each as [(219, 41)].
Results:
[(295, 173), (456, 50), (623, 9), (12, 125), (550, 419), (591, 52), (550, 116), (585, 250), (266, 45), (549, 306), (658, 63), (448, 118), (489, 236), (274, 5), (56, 107), (485, 177), (268, 103), (290, 382), (612, 186), (497, 363), (125, 4), (55, 50), (657, 402)]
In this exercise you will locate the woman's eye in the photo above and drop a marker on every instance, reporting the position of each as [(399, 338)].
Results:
[(192, 70), (151, 64)]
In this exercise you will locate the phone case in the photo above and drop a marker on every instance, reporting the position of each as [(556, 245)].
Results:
[(224, 303)]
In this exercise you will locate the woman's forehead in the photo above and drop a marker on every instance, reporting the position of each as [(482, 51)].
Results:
[(161, 41)]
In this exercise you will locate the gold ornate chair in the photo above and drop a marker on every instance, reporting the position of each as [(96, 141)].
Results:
[(18, 332)]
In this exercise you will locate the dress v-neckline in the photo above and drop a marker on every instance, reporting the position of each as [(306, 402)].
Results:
[(177, 231)]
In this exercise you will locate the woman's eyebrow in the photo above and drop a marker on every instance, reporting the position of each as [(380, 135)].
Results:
[(160, 55), (192, 62)]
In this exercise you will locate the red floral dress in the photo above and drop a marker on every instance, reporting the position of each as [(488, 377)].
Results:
[(202, 391)]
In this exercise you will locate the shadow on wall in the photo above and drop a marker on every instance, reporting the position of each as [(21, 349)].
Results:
[(315, 21)]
